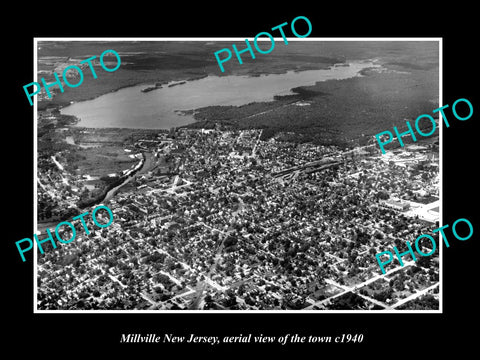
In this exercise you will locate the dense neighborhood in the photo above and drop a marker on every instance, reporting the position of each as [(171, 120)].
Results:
[(222, 220)]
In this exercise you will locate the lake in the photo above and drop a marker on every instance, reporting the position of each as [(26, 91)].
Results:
[(132, 108)]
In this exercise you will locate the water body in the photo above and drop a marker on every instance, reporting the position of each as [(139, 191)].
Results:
[(111, 193), (131, 108)]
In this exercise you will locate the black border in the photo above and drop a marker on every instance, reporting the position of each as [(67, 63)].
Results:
[(384, 334)]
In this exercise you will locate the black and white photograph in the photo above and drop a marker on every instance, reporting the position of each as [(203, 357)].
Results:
[(262, 187), (276, 180)]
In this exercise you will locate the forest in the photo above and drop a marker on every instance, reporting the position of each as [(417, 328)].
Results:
[(345, 112)]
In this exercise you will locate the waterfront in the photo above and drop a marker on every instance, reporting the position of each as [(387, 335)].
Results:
[(158, 109), (265, 203)]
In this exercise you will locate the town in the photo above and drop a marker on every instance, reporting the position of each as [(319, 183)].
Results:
[(419, 130), (221, 220), (430, 248), (72, 234)]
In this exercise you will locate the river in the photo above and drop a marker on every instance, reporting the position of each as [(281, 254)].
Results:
[(132, 108), (145, 165), (111, 193)]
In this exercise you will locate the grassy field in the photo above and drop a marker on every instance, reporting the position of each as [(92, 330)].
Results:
[(103, 160)]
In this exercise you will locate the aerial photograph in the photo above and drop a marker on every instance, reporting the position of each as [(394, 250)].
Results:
[(258, 188)]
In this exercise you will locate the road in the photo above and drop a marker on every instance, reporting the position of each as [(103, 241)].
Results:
[(414, 296), (347, 289), (202, 284), (258, 140), (171, 189)]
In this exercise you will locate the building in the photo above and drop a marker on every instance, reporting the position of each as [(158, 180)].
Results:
[(395, 205)]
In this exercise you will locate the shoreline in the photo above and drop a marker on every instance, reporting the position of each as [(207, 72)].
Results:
[(296, 91), (62, 104), (50, 104), (199, 116)]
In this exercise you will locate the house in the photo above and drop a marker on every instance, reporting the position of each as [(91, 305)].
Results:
[(395, 205)]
